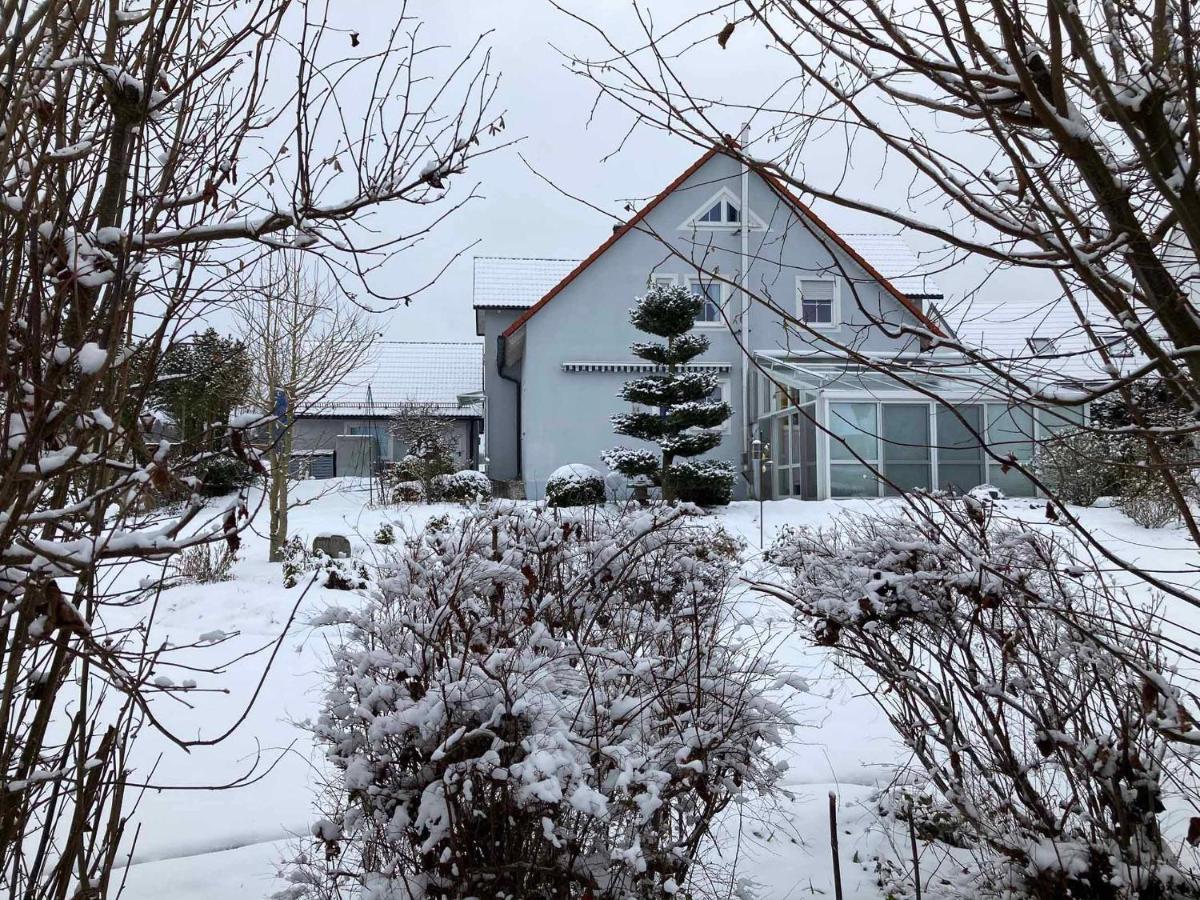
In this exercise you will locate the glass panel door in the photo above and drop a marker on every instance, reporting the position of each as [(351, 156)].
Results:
[(1010, 431), (960, 453), (905, 446), (854, 436)]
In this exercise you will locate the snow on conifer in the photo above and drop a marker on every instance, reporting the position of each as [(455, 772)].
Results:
[(679, 414)]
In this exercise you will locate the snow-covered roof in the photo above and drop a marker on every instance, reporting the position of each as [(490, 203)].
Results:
[(895, 260), (399, 372), (1044, 339), (517, 282)]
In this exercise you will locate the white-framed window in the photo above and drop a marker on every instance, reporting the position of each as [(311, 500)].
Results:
[(818, 302), (1042, 346), (722, 212), (712, 294), (662, 279)]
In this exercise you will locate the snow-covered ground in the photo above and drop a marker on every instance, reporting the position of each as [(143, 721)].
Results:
[(197, 843)]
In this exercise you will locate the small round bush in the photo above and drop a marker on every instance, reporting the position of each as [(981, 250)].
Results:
[(408, 492), (574, 485), (705, 482), (465, 486)]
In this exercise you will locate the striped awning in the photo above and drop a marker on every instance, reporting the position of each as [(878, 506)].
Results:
[(637, 367)]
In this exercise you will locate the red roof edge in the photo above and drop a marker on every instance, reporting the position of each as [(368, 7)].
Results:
[(779, 189), (616, 236)]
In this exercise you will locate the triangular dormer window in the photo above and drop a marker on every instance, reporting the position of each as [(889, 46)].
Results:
[(722, 211)]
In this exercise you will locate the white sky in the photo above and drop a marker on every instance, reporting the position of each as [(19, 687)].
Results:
[(549, 108)]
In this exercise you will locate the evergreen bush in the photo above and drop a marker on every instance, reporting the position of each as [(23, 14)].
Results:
[(678, 413), (575, 485)]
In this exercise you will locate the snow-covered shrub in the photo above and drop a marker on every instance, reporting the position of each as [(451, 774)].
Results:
[(466, 486), (1150, 508), (575, 485), (385, 534), (705, 482), (340, 574), (408, 492), (540, 704), (296, 561), (1079, 466), (1032, 693), (205, 564)]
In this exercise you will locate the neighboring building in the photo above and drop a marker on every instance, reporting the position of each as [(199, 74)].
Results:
[(349, 430), (557, 335)]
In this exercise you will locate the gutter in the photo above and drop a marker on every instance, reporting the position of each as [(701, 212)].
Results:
[(501, 360), (743, 138)]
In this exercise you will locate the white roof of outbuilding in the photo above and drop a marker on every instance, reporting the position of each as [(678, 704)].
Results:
[(895, 260), (400, 372), (1004, 332), (517, 282)]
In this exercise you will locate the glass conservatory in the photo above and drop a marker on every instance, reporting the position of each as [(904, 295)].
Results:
[(831, 429)]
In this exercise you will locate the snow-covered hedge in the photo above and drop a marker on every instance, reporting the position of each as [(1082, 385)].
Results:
[(1032, 694), (466, 486), (575, 485), (542, 703)]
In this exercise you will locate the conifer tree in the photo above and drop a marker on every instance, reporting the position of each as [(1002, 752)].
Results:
[(678, 413)]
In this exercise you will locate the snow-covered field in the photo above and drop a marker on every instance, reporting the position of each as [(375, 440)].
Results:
[(198, 843)]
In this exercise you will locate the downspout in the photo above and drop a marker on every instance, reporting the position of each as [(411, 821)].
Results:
[(501, 359), (743, 139)]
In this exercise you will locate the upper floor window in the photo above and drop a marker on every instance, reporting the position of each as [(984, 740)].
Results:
[(1042, 346), (710, 293), (817, 301)]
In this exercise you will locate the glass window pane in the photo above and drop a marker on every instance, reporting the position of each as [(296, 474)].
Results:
[(905, 432), (731, 213), (852, 480), (1012, 482), (1010, 430), (854, 423), (906, 477), (1060, 418), (784, 481), (958, 442), (713, 214), (960, 477)]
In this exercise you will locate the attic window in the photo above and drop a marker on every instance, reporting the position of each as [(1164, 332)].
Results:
[(723, 210), (1042, 346), (721, 213)]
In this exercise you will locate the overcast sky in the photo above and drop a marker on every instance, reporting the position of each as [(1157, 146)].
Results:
[(568, 141)]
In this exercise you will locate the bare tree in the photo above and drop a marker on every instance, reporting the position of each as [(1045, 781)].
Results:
[(305, 338), (135, 177)]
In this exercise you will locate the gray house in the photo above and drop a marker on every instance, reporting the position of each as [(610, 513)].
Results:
[(557, 334), (348, 431)]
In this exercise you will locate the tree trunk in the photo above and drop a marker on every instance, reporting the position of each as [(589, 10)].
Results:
[(278, 495)]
